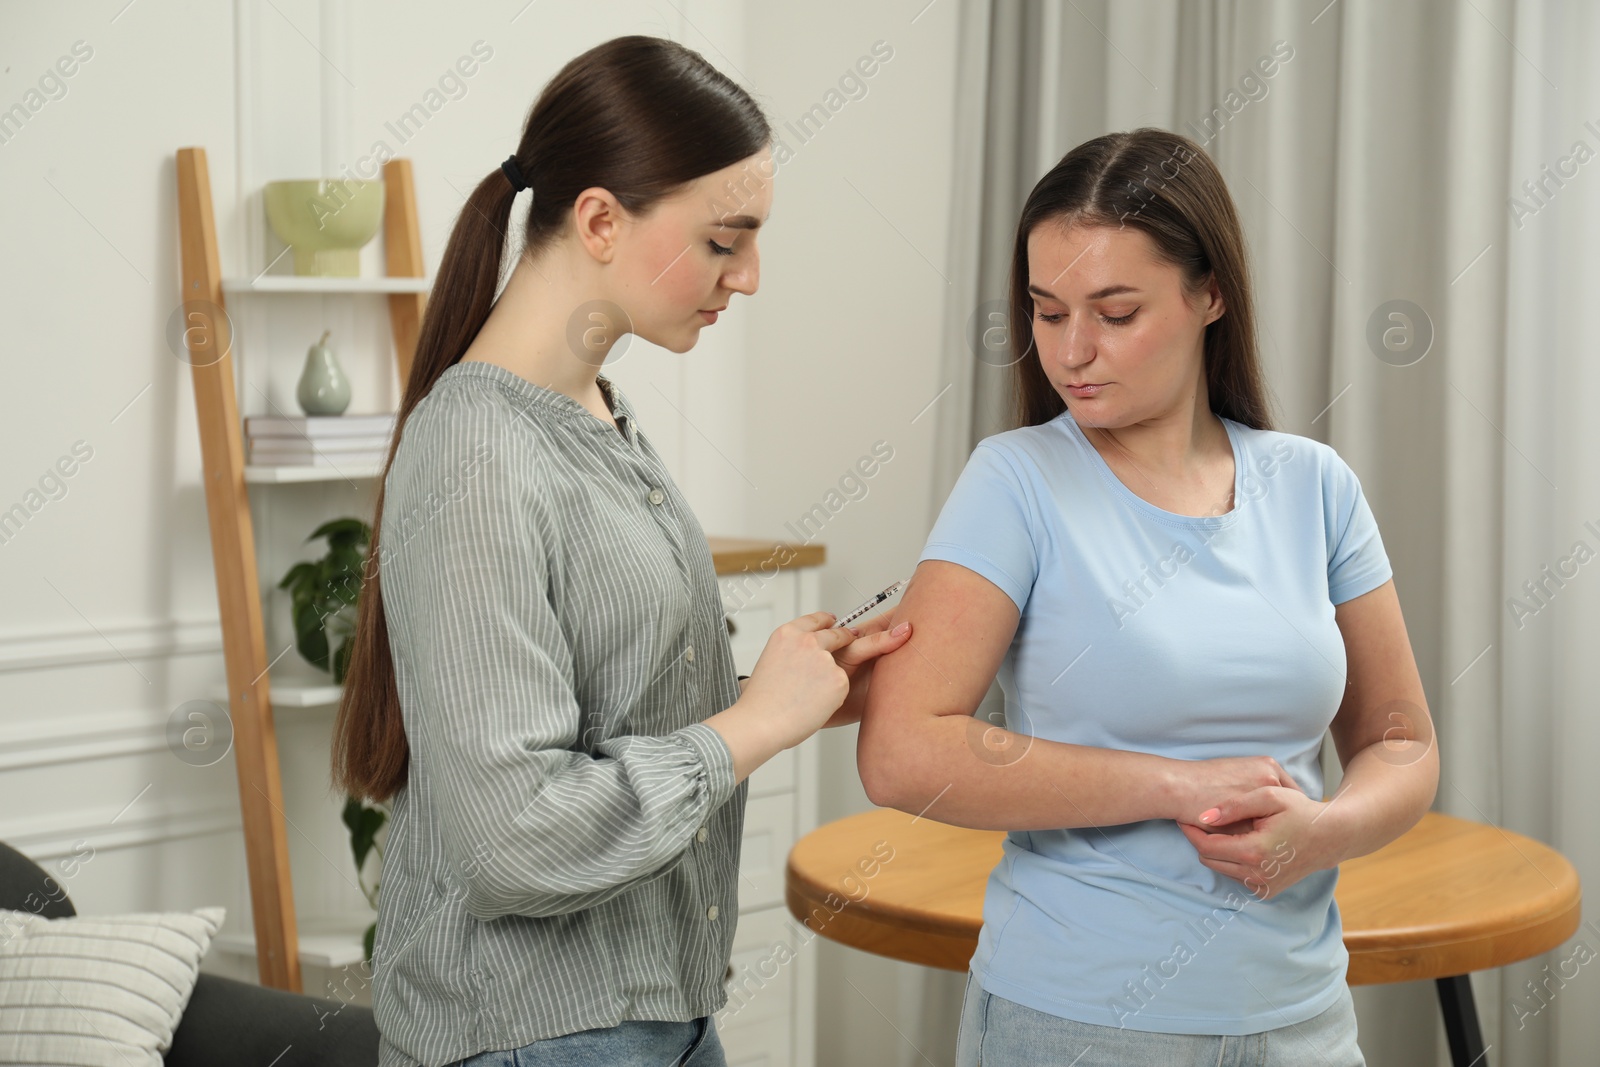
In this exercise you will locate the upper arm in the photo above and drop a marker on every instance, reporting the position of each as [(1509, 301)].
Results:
[(1383, 697), (961, 626), (464, 576), (971, 584)]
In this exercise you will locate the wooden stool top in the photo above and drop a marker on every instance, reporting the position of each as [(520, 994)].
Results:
[(1448, 897)]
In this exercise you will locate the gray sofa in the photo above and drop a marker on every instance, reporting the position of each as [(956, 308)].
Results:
[(225, 1022)]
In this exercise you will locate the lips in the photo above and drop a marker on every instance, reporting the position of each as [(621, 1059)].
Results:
[(1087, 389)]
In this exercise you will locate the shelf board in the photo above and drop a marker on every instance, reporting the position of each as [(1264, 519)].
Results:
[(733, 555), (296, 694), (257, 473), (324, 942), (295, 283)]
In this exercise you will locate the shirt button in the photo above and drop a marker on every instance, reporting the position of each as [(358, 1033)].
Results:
[(688, 653), (701, 834), (657, 496), (711, 912)]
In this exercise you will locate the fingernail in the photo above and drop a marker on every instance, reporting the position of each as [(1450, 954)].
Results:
[(898, 630), (1209, 816)]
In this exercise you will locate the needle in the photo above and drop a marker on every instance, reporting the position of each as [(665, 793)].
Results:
[(872, 603)]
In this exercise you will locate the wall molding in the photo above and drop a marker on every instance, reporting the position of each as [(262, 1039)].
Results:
[(110, 644), (145, 822), (89, 736)]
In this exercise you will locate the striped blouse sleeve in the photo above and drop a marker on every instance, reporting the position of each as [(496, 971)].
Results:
[(538, 825)]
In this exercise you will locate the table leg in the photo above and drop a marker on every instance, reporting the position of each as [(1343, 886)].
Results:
[(1461, 1021)]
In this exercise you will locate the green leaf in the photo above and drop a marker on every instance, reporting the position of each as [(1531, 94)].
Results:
[(341, 532), (299, 575), (345, 588), (352, 812), (341, 660), (364, 824), (347, 560), (326, 592), (309, 636)]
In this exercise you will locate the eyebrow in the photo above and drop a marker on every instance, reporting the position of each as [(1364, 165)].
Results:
[(1099, 294), (740, 222)]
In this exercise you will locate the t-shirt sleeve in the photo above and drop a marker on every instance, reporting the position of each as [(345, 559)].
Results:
[(985, 525), (1357, 562)]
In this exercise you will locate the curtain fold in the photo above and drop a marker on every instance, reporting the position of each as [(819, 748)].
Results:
[(1437, 154)]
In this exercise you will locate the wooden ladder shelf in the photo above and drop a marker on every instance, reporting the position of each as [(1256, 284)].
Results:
[(208, 337)]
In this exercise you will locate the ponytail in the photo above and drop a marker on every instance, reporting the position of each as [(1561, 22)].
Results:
[(639, 116)]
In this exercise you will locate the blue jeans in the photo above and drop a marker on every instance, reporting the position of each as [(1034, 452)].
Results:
[(632, 1042), (996, 1032)]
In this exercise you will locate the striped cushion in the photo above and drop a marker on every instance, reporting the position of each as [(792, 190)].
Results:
[(97, 991)]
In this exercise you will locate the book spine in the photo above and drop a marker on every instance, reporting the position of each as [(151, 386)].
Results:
[(349, 458), (258, 426), (302, 447)]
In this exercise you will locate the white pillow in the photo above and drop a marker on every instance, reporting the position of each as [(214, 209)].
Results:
[(97, 991)]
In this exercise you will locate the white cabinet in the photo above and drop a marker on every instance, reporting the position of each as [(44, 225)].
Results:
[(770, 1017)]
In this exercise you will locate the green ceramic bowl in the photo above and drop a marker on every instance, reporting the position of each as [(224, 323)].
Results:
[(325, 221)]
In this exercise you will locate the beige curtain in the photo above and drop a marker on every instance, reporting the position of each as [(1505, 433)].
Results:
[(1439, 153)]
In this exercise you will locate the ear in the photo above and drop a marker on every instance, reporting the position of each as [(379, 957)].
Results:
[(597, 219), (1212, 295), (1217, 307)]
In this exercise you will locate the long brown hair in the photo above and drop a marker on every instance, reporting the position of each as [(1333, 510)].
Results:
[(1164, 184), (639, 116)]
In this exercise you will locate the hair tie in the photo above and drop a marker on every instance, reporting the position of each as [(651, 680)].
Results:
[(514, 173)]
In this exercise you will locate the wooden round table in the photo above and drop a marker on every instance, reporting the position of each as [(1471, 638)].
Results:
[(1446, 898)]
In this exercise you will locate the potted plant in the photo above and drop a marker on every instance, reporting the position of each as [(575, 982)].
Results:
[(364, 822), (324, 594)]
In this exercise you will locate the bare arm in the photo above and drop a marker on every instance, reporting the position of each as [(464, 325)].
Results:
[(1385, 739), (920, 750), (807, 667), (1383, 731)]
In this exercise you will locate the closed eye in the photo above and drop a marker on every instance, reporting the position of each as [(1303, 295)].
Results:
[(1109, 319), (721, 250)]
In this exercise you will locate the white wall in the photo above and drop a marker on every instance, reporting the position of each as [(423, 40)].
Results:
[(111, 612), (843, 344), (110, 605)]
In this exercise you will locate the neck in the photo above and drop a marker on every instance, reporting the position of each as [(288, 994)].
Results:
[(1174, 442), (532, 329)]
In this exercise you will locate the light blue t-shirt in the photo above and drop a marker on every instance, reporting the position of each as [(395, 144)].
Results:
[(1186, 637)]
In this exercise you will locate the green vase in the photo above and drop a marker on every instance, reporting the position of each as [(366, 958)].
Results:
[(323, 389)]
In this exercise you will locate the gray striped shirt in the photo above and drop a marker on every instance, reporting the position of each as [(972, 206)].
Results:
[(564, 854)]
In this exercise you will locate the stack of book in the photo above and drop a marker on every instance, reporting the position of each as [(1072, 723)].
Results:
[(318, 440)]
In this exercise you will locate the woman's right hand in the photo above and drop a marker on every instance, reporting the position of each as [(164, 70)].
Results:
[(796, 680), (1203, 784)]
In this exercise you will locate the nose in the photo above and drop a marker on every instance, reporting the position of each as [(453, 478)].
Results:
[(744, 276), (1075, 341)]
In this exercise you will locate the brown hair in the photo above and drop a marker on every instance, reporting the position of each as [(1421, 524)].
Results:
[(1164, 184), (638, 116)]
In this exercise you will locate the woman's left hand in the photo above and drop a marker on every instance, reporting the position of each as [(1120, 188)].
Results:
[(1269, 839), (873, 639)]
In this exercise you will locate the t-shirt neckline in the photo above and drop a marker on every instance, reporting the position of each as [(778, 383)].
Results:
[(1140, 504)]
